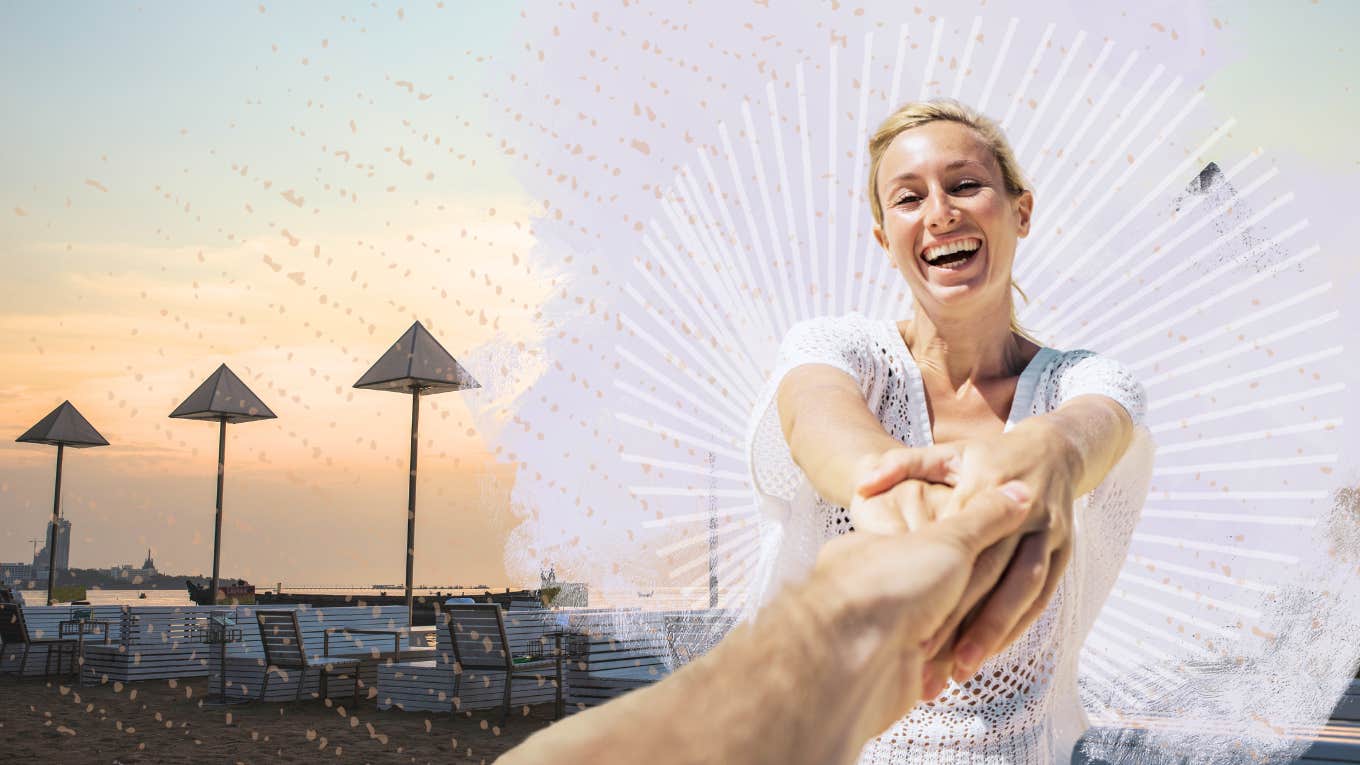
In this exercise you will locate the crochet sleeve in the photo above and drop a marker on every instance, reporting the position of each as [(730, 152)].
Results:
[(1079, 373), (836, 342)]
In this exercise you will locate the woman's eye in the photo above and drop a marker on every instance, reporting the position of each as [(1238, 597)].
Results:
[(906, 199), (967, 186)]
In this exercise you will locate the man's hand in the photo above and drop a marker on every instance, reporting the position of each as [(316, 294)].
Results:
[(897, 590), (1034, 558)]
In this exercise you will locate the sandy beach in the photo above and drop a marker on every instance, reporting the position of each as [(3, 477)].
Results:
[(163, 721)]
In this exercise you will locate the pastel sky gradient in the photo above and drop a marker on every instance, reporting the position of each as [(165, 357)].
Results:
[(285, 188)]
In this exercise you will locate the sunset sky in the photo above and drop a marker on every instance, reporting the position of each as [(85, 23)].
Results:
[(285, 188)]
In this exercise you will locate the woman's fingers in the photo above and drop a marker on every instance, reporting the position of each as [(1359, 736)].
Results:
[(1057, 565), (1009, 604), (936, 464), (987, 570)]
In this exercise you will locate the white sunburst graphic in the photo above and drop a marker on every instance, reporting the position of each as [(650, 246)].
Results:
[(1149, 245)]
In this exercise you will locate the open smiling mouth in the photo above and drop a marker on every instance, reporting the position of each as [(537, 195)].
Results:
[(952, 255)]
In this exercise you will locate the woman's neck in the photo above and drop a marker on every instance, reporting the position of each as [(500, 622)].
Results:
[(976, 348)]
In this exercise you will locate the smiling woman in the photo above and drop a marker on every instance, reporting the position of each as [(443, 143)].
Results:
[(854, 403)]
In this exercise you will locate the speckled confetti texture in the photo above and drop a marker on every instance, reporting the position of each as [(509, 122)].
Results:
[(610, 212)]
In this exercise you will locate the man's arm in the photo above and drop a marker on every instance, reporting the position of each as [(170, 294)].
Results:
[(830, 663)]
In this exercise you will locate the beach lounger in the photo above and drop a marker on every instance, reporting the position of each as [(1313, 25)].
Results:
[(281, 637), (14, 634), (479, 642)]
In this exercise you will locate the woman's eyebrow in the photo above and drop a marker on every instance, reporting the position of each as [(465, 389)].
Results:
[(909, 176)]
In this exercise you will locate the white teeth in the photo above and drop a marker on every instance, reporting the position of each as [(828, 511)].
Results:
[(939, 251)]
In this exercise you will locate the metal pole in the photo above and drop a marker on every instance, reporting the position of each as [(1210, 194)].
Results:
[(52, 535), (217, 530), (712, 533), (411, 509)]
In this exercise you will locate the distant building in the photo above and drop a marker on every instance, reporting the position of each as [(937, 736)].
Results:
[(15, 572), (62, 545), (130, 572)]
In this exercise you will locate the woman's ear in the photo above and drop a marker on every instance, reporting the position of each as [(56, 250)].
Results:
[(879, 235), (1024, 208)]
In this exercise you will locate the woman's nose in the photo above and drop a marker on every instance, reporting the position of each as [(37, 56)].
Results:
[(940, 213)]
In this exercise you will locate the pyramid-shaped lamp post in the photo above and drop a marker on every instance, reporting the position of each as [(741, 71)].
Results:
[(225, 399), (416, 364), (63, 427)]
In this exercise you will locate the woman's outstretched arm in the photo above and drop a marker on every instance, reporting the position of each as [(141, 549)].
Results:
[(833, 437)]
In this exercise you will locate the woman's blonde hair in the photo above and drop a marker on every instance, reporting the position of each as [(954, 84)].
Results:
[(918, 113)]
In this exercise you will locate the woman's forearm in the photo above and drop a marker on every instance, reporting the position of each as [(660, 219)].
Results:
[(831, 433), (1095, 431)]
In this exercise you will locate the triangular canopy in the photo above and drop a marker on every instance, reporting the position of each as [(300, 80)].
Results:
[(417, 360), (64, 426), (223, 396)]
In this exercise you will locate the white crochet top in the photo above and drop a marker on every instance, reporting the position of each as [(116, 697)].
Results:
[(1023, 705)]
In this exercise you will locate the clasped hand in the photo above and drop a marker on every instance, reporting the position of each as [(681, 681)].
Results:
[(1012, 581)]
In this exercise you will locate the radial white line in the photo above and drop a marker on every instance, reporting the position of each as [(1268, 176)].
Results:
[(1198, 599), (1164, 610), (669, 381), (833, 89), (1130, 644), (967, 57), (1217, 467), (739, 184), (737, 511), (1255, 374), (683, 438), (1257, 315), (702, 560), (672, 411), (1111, 611), (680, 342), (785, 288), (1256, 345), (1101, 667), (1226, 496), (1030, 71), (997, 65), (676, 491), (790, 225), (1140, 297), (1050, 95), (1160, 565), (929, 70), (1253, 406), (1173, 177), (1127, 650), (861, 138), (1111, 282), (1062, 199), (736, 372), (737, 259), (1234, 518), (809, 214), (1241, 552), (895, 90), (693, 540), (684, 467), (1256, 435), (733, 263), (734, 360), (1219, 293), (1036, 163)]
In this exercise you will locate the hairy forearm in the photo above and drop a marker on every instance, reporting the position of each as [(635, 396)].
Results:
[(768, 693), (1094, 432)]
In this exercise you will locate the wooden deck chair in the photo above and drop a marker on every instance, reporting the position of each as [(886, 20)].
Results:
[(13, 631), (477, 634), (281, 637)]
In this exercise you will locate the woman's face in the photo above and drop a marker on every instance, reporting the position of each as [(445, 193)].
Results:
[(949, 224)]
